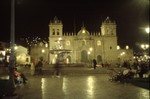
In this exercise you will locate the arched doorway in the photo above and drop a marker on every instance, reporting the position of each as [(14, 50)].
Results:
[(68, 59), (99, 59), (84, 56)]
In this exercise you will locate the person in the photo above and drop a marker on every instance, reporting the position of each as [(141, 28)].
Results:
[(57, 68), (94, 63), (123, 76), (39, 66), (127, 73), (32, 66), (18, 75), (143, 68), (32, 69)]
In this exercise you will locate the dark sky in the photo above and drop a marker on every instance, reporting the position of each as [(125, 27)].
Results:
[(33, 16)]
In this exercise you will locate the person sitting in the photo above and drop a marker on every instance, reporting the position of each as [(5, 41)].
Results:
[(127, 73), (18, 76)]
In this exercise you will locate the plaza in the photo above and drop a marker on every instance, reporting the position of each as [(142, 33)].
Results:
[(79, 83)]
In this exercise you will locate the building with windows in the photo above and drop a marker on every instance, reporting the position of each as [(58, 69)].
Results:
[(20, 52), (85, 46)]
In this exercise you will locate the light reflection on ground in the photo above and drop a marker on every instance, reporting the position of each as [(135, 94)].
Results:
[(79, 87)]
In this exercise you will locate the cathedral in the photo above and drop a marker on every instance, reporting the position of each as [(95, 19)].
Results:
[(83, 46)]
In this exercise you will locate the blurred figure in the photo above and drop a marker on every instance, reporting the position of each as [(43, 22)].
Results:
[(32, 67), (18, 76), (39, 66), (127, 73), (143, 68), (94, 63), (57, 68)]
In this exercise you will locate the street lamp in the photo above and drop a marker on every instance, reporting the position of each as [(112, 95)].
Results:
[(147, 30), (43, 51), (89, 55), (144, 46), (118, 47), (89, 52), (91, 49)]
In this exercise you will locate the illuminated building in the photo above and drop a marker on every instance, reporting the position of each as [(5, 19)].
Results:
[(102, 43)]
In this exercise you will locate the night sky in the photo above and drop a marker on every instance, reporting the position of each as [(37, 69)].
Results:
[(32, 17)]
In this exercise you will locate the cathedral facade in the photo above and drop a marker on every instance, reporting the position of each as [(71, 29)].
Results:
[(84, 46)]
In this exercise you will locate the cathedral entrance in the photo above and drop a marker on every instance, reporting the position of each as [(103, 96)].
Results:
[(84, 56), (68, 59), (99, 59)]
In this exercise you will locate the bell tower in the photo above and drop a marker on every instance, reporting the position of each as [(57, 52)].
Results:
[(55, 27), (109, 41), (108, 28)]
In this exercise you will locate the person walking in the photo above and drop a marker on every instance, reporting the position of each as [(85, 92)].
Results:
[(94, 63), (39, 66)]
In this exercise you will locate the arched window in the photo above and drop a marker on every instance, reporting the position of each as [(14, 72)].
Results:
[(57, 31), (53, 31)]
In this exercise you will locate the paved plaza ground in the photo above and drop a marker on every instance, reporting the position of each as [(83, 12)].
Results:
[(79, 86)]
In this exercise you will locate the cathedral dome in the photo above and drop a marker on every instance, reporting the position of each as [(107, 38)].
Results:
[(83, 32)]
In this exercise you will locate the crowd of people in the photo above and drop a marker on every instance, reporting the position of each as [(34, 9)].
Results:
[(139, 68)]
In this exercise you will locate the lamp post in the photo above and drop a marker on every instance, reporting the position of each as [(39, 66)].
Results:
[(147, 30), (89, 54), (145, 47), (12, 56)]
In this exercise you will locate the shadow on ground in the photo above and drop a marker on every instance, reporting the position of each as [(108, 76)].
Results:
[(141, 82)]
